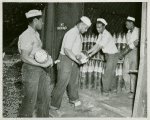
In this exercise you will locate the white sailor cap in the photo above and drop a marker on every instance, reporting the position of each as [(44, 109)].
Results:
[(131, 18), (86, 20), (102, 20), (33, 13)]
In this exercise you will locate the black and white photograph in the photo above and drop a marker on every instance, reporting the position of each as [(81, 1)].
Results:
[(74, 59)]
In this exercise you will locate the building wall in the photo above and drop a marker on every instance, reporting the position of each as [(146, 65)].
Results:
[(114, 13)]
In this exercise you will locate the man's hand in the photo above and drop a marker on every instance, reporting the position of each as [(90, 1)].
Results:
[(82, 57), (48, 63), (78, 57), (120, 57), (79, 62), (89, 55)]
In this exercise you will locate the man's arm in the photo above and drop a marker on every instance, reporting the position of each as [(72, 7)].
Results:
[(93, 48), (128, 49), (25, 45), (132, 45), (100, 43), (70, 54), (27, 59), (97, 48)]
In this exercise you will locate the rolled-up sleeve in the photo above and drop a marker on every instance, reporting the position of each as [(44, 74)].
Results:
[(26, 42), (70, 38)]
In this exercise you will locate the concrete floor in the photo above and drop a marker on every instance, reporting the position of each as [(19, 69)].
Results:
[(119, 106), (90, 109), (94, 104)]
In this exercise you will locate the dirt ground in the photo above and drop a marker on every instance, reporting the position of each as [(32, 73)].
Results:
[(94, 104)]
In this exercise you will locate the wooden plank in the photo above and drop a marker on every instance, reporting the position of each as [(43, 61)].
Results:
[(137, 110), (133, 71)]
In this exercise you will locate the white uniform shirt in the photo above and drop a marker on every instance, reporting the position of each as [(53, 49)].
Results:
[(106, 40), (73, 41), (132, 36), (29, 40)]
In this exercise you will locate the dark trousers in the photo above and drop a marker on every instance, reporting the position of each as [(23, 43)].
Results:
[(68, 74), (36, 92), (109, 78)]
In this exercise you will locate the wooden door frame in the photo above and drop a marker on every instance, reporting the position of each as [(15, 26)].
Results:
[(139, 89)]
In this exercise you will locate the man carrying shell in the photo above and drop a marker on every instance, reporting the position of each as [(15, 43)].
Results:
[(36, 92), (68, 68)]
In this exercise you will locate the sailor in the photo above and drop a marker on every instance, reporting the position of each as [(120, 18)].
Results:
[(130, 55), (68, 68), (36, 92), (107, 44)]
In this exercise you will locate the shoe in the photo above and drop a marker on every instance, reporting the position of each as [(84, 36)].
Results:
[(105, 94), (113, 94), (34, 115), (114, 91), (79, 107), (131, 96), (82, 108), (125, 91), (54, 113)]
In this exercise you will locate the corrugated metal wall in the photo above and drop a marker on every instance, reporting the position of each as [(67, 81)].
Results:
[(140, 104), (114, 13)]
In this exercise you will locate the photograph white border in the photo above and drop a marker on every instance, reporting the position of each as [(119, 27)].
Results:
[(1, 49)]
